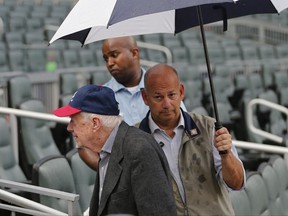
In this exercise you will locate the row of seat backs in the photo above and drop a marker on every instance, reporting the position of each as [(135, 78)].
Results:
[(69, 174), (34, 136), (9, 167), (266, 192)]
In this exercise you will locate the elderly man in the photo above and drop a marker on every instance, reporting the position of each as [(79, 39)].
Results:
[(133, 174)]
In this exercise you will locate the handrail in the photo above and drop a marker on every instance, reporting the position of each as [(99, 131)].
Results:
[(249, 118), (260, 147), (29, 114), (24, 210), (38, 189), (157, 47), (18, 200), (26, 203)]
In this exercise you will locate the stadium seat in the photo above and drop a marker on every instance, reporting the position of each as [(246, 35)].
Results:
[(265, 115), (282, 51), (232, 53), (223, 88), (171, 41), (216, 54), (189, 37), (193, 94), (266, 52), (155, 55), (99, 56), (240, 90), (72, 44), (87, 58), (153, 38), (16, 24), (257, 194), (35, 137), (246, 132), (35, 37), (55, 173), (197, 56), (228, 42), (34, 24), (279, 165), (17, 60), (280, 79), (36, 60), (4, 66), (84, 178), (240, 203), (13, 36), (272, 183), (9, 166), (100, 77), (184, 70), (70, 58), (4, 12), (59, 45), (255, 83), (283, 96), (68, 83), (226, 116), (68, 86), (268, 70), (19, 89), (180, 55)]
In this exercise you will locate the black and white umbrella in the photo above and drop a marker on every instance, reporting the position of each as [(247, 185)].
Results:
[(94, 20)]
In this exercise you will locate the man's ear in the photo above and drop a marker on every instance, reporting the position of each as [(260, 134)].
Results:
[(96, 123), (135, 52), (182, 91), (144, 96)]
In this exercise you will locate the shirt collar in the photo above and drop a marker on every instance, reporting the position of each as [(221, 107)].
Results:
[(154, 127), (118, 86), (108, 145)]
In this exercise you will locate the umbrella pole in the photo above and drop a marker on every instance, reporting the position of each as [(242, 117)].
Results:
[(218, 124), (199, 13)]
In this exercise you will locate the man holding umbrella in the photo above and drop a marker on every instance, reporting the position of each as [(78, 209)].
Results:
[(204, 163)]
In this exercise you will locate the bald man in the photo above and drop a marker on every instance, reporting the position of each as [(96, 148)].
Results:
[(202, 175), (123, 62)]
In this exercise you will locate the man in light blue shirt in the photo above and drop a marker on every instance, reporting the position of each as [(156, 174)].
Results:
[(123, 62)]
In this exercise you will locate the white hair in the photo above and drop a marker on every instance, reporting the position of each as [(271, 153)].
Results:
[(109, 121)]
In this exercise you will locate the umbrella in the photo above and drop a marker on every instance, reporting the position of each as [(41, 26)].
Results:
[(89, 22), (102, 15)]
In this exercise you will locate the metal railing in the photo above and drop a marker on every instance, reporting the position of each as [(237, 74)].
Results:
[(31, 207), (258, 30), (13, 113), (258, 131)]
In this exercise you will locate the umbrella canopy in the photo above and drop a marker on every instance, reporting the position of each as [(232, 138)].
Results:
[(89, 22), (92, 20)]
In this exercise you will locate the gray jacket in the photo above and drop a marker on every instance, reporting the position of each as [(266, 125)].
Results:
[(137, 180)]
